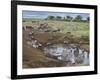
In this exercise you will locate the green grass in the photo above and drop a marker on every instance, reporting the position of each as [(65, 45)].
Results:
[(77, 29)]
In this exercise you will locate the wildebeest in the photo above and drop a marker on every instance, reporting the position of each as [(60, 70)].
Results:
[(24, 27), (57, 30), (31, 33), (29, 27)]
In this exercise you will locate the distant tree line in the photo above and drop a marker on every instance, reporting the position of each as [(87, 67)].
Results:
[(78, 18)]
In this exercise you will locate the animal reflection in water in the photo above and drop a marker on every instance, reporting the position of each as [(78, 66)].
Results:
[(72, 54), (67, 53)]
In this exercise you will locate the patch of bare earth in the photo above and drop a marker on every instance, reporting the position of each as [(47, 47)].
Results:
[(35, 58)]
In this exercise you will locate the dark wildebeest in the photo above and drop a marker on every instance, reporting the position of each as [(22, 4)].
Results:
[(29, 27)]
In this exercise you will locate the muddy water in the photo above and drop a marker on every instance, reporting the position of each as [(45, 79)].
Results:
[(68, 53)]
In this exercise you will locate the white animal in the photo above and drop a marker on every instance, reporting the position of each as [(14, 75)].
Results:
[(48, 43), (86, 58), (34, 44), (72, 58), (60, 58), (80, 51), (39, 44)]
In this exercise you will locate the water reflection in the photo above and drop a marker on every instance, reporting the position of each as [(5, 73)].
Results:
[(68, 53)]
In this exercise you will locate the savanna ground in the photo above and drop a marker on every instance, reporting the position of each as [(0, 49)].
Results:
[(69, 32)]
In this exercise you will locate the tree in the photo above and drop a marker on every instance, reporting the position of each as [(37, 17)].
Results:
[(64, 18), (50, 17), (69, 18), (58, 17), (78, 18), (88, 19)]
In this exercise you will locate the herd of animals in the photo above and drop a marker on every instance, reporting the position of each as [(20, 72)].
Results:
[(42, 27)]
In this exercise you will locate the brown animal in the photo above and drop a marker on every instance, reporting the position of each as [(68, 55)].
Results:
[(29, 27)]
